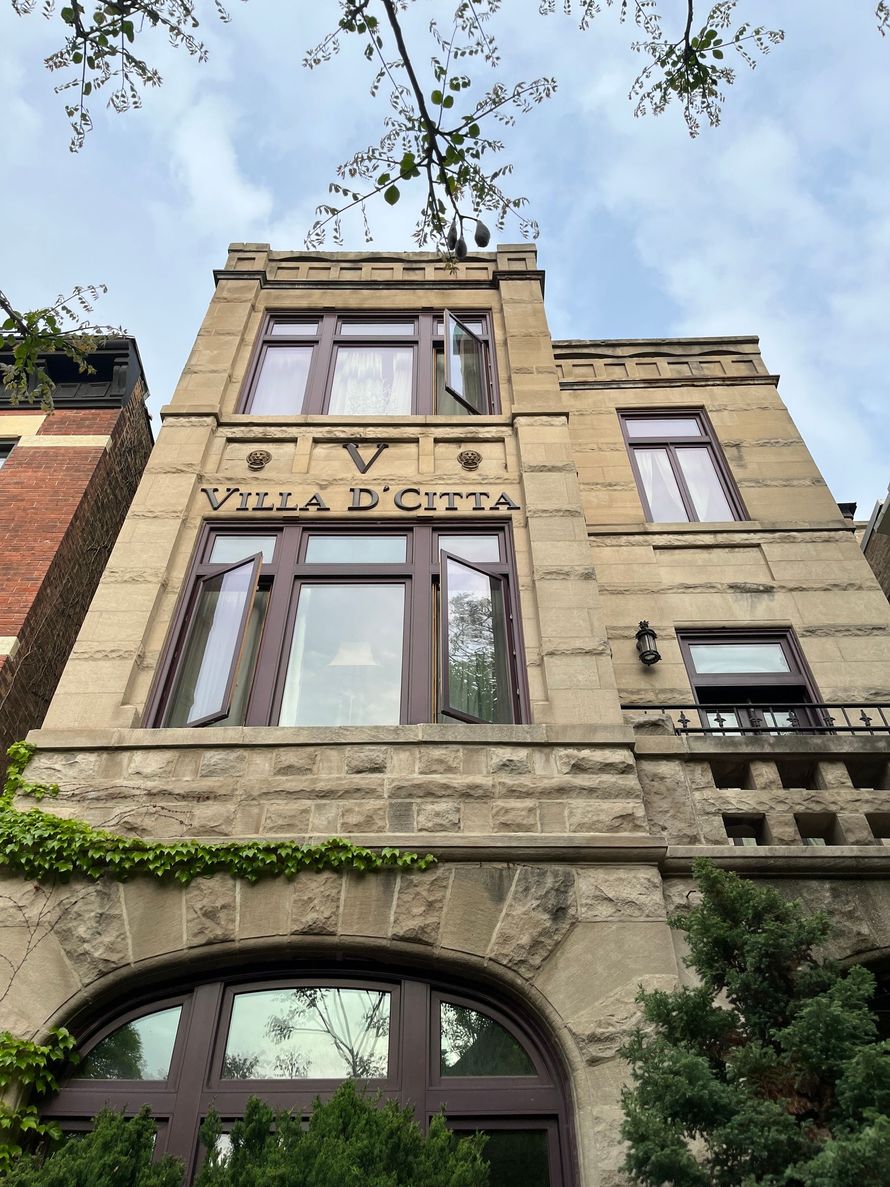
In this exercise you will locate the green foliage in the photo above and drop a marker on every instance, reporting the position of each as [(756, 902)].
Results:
[(769, 1072), (351, 1142), (31, 1067), (39, 845), (116, 1153)]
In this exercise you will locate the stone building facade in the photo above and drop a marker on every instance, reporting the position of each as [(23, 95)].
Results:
[(384, 578), (67, 478)]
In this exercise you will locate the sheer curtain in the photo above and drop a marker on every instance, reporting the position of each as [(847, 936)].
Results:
[(372, 381), (660, 485), (704, 484)]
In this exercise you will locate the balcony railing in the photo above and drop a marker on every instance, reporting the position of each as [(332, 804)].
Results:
[(746, 718)]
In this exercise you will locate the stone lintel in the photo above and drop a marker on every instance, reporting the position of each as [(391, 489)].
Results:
[(783, 861)]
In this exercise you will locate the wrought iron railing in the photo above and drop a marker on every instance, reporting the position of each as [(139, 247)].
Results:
[(741, 718)]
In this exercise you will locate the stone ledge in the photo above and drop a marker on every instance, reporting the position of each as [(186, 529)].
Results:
[(783, 861), (279, 736), (506, 849), (765, 746)]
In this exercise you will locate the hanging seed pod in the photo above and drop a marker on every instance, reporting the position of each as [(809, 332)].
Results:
[(451, 241), (482, 235), (461, 249)]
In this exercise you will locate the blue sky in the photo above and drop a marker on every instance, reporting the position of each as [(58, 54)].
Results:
[(776, 223)]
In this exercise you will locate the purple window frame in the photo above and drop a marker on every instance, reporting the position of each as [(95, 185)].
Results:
[(325, 343), (179, 1104), (288, 571), (706, 439)]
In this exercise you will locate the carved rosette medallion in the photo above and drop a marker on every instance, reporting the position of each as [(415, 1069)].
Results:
[(469, 459), (258, 458)]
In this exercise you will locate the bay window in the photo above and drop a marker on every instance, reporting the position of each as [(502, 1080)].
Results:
[(679, 469), (320, 626), (382, 365)]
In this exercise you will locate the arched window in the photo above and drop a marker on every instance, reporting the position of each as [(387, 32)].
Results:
[(289, 1039)]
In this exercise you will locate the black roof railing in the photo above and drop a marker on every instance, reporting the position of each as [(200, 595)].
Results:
[(747, 718)]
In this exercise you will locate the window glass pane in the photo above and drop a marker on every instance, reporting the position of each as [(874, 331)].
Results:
[(465, 366), (663, 426), (472, 1044), (446, 405), (141, 1050), (300, 1034), (293, 329), (356, 550), (395, 329), (477, 680), (701, 476), (713, 658), (227, 550), (472, 548), (281, 383), (5, 451), (517, 1157), (476, 324), (372, 381), (660, 485), (213, 646), (247, 662), (345, 665)]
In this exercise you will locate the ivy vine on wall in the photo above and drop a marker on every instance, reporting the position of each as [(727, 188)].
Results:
[(39, 845), (47, 848)]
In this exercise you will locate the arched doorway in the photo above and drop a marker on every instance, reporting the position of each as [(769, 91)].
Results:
[(290, 1036)]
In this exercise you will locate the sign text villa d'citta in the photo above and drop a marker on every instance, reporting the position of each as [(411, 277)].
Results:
[(361, 498)]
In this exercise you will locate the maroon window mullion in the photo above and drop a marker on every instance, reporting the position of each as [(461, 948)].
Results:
[(444, 657), (322, 375), (237, 651), (685, 493), (425, 370), (270, 652)]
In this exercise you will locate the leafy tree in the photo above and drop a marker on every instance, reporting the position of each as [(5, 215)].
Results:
[(441, 125), (116, 1153), (350, 1142), (769, 1072)]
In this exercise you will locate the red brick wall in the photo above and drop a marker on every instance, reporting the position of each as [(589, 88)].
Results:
[(60, 513)]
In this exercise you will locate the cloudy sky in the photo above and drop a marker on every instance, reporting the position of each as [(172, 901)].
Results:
[(776, 223)]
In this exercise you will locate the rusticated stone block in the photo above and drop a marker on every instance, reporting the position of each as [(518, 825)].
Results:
[(440, 760), (155, 918), (315, 903), (538, 914), (401, 817), (367, 817), (620, 892), (210, 910), (264, 909), (420, 901), (443, 817), (222, 764), (666, 798), (363, 760), (367, 904), (436, 787), (323, 821), (514, 816), (91, 929), (606, 817), (295, 760), (287, 820), (213, 820), (152, 764), (474, 907), (509, 761), (599, 761)]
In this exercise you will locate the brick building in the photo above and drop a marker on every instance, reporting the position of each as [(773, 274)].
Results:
[(66, 480), (404, 569)]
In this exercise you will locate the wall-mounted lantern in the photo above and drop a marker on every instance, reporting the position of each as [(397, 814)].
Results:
[(646, 640)]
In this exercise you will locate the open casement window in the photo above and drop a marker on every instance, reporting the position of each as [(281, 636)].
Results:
[(475, 664), (679, 468), (339, 625), (293, 1037), (372, 364), (750, 681), (222, 627), (466, 379), (6, 448)]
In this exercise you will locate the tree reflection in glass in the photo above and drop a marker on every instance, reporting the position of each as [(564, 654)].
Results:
[(477, 677), (141, 1050), (472, 1044), (308, 1033)]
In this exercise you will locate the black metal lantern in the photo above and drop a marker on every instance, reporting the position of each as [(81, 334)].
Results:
[(646, 640)]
